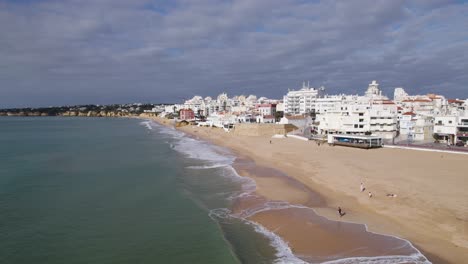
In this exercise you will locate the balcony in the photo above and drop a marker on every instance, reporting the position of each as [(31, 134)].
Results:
[(462, 134), (383, 122)]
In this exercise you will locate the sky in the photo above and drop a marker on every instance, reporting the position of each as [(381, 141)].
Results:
[(68, 52)]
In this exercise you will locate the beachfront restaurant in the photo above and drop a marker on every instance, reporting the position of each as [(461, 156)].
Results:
[(356, 141)]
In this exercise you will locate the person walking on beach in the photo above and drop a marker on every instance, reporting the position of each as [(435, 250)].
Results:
[(270, 141), (362, 187), (370, 195), (340, 212)]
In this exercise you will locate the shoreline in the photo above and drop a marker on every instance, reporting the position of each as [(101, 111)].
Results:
[(262, 206), (357, 211), (317, 209)]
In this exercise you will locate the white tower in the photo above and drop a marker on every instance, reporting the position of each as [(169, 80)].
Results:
[(373, 90)]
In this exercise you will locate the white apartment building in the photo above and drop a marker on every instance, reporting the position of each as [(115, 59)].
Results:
[(445, 128), (462, 129), (237, 105), (197, 104), (328, 102), (451, 129), (266, 109), (280, 107), (455, 106), (360, 117), (427, 105), (173, 108), (383, 119), (370, 114), (416, 127), (301, 101)]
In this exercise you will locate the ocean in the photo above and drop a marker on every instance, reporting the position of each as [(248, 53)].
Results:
[(124, 190), (90, 190)]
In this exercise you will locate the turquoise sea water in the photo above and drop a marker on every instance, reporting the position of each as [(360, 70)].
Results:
[(97, 190), (84, 190)]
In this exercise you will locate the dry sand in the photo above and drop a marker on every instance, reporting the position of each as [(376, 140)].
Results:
[(430, 210)]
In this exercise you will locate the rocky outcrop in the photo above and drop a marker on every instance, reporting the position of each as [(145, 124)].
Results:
[(182, 123)]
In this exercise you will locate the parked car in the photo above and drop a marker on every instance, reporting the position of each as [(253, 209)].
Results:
[(460, 144)]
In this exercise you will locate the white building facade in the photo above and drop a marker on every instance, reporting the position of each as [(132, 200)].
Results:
[(372, 114), (301, 101), (451, 129)]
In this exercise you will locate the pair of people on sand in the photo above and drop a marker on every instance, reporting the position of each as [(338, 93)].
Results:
[(364, 188), (370, 193)]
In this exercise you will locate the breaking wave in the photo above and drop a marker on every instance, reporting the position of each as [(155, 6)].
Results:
[(147, 124)]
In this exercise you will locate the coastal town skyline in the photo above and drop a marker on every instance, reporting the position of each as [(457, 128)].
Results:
[(313, 112), (233, 131), (69, 52)]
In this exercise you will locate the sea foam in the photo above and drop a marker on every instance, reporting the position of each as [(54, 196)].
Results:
[(147, 124)]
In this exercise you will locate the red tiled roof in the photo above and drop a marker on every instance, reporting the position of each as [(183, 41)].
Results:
[(409, 113), (455, 101)]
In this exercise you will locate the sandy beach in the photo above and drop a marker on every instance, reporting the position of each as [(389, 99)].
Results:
[(430, 208)]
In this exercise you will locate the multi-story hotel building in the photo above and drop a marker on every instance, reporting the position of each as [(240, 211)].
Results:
[(301, 101), (370, 114)]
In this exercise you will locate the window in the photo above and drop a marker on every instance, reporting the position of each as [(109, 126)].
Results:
[(361, 126), (361, 120), (450, 121), (355, 126)]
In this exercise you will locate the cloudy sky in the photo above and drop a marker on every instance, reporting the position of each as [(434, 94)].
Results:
[(115, 51)]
